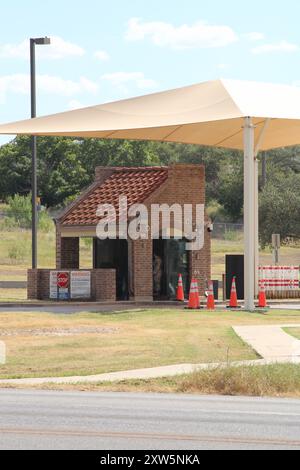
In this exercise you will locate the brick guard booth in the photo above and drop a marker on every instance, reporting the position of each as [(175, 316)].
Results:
[(142, 270)]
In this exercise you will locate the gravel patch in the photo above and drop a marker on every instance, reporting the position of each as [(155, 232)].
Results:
[(58, 331)]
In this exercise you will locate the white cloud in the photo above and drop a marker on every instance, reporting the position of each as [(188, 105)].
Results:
[(222, 66), (75, 104), (254, 36), (88, 85), (283, 46), (102, 55), (138, 78), (58, 49), (49, 84), (198, 35)]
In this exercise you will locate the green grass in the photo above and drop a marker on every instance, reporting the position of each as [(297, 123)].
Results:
[(138, 339), (293, 332)]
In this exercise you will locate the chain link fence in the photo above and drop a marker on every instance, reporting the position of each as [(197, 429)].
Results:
[(228, 231)]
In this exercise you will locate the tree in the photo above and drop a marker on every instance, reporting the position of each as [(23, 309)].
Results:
[(280, 208), (60, 172), (15, 169), (229, 191)]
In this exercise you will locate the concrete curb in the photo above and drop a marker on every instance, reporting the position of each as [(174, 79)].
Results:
[(219, 304)]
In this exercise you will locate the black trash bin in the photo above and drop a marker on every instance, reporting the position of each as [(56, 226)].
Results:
[(235, 268), (216, 289)]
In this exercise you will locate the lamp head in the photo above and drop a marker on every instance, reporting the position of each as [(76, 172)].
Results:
[(42, 41)]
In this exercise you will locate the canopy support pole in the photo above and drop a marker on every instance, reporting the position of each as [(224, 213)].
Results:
[(256, 229), (249, 214), (256, 204)]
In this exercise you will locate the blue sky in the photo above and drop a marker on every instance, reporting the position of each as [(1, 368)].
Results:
[(104, 51)]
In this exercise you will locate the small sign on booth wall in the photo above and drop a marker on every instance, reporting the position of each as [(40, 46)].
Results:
[(80, 284), (59, 285)]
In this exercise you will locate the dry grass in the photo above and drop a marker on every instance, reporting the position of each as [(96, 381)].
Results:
[(272, 380), (293, 332), (139, 339), (278, 380), (13, 295)]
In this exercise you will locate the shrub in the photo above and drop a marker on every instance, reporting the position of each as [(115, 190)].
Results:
[(88, 242), (18, 251), (232, 235), (8, 224), (19, 209), (18, 214), (45, 222)]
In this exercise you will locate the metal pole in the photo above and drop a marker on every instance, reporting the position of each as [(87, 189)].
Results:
[(256, 228), (249, 213), (34, 155)]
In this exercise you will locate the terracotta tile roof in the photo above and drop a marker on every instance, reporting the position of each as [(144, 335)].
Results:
[(135, 183)]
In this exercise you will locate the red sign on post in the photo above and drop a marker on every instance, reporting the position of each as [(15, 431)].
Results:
[(63, 280)]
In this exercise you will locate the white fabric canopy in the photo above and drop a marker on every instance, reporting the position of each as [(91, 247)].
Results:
[(210, 113)]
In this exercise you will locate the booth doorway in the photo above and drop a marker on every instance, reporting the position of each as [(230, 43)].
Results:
[(113, 254), (170, 258)]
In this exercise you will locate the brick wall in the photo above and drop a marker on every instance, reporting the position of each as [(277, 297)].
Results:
[(68, 257), (142, 264), (38, 284), (32, 284), (103, 284)]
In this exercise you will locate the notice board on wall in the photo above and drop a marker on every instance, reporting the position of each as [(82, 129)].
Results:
[(80, 284)]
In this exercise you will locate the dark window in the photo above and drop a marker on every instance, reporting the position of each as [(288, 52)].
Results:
[(113, 254), (170, 259)]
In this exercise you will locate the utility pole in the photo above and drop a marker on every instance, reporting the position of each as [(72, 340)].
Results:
[(33, 43)]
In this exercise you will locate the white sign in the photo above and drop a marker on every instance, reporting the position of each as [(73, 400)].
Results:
[(80, 285), (53, 285), (59, 285), (280, 278)]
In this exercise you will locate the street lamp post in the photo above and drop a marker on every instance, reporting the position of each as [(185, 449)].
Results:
[(33, 43)]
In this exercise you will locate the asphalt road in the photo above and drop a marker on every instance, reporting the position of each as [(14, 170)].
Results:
[(59, 420)]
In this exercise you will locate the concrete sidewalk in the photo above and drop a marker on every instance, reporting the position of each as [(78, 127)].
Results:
[(139, 374), (270, 342)]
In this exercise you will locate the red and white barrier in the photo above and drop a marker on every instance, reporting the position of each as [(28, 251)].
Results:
[(280, 281)]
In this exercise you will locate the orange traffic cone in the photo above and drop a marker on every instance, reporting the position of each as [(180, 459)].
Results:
[(194, 301), (180, 292), (233, 296), (197, 292), (262, 299), (210, 298)]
